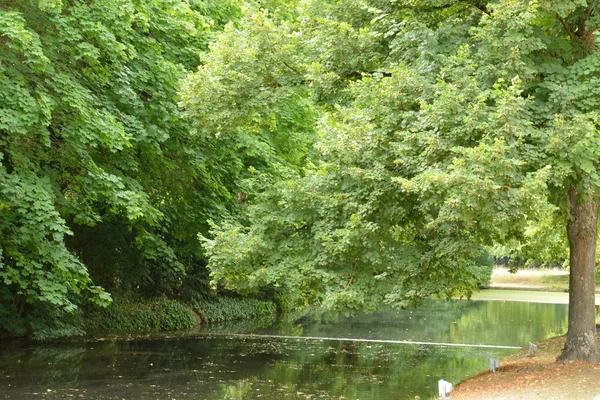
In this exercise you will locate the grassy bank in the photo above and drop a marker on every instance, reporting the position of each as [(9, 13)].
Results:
[(530, 296)]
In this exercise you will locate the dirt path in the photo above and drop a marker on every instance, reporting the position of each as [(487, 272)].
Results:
[(540, 377)]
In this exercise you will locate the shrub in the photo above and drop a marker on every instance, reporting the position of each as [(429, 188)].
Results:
[(42, 320), (127, 315), (225, 308), (10, 320), (48, 322)]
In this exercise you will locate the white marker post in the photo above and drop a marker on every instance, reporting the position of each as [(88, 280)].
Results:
[(532, 349), (444, 388), (494, 365)]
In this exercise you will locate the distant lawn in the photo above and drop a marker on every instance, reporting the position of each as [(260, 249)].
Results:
[(524, 295), (549, 278), (533, 296)]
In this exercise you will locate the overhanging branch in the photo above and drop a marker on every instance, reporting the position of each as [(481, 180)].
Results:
[(567, 27)]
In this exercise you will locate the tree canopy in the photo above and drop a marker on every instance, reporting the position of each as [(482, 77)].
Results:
[(476, 126), (99, 177), (334, 153)]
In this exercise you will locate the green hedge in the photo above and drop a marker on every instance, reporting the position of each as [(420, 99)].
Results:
[(221, 308), (140, 315)]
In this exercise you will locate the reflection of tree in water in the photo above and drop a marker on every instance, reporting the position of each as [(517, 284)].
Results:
[(61, 363), (430, 322), (372, 371), (238, 390), (292, 324), (469, 322), (434, 319), (295, 323), (495, 322), (240, 326), (347, 368)]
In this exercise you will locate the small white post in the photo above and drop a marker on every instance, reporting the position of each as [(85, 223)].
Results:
[(532, 349), (444, 388), (494, 365)]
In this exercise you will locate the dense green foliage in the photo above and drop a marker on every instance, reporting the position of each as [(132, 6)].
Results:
[(141, 315), (227, 308), (482, 268), (135, 315), (457, 126), (333, 153), (104, 184), (88, 103), (364, 224), (43, 321)]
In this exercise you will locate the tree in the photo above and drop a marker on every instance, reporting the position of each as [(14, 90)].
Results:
[(479, 124), (248, 99), (100, 181)]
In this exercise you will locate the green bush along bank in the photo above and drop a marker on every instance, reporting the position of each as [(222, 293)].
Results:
[(128, 315), (134, 315), (219, 309)]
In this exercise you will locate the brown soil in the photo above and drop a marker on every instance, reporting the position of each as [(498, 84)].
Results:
[(541, 377)]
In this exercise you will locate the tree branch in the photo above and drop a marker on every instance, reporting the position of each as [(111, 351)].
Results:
[(290, 67), (567, 27), (581, 31)]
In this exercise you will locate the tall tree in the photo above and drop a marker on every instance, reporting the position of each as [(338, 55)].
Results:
[(479, 125)]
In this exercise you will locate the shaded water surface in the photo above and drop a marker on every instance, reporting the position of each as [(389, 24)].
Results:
[(226, 362)]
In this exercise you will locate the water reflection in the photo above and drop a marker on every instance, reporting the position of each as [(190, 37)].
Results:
[(211, 365)]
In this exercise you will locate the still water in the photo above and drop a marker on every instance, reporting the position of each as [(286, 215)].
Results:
[(253, 359)]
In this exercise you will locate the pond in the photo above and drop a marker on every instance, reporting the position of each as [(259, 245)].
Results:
[(365, 357)]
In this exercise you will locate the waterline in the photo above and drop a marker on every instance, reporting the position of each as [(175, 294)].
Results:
[(253, 336)]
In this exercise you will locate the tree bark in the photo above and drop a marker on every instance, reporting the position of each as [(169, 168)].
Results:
[(581, 231)]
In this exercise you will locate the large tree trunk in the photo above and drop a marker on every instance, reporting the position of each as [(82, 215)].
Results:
[(581, 230)]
